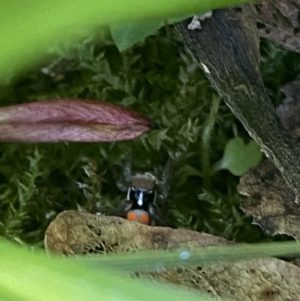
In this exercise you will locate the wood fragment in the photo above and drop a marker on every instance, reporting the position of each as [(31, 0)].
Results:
[(227, 49)]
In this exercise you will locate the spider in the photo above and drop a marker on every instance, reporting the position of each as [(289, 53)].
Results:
[(142, 195), (140, 203)]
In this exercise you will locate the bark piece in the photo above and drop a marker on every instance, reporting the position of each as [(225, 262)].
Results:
[(269, 199), (227, 49)]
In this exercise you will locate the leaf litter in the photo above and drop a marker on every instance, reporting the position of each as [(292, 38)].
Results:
[(79, 233)]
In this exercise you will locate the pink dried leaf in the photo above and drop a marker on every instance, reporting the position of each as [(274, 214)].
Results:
[(70, 120)]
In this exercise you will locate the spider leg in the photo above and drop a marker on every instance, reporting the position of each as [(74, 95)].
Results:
[(164, 184), (156, 216), (122, 210)]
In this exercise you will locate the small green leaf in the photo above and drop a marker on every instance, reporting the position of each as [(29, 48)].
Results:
[(239, 158), (128, 34)]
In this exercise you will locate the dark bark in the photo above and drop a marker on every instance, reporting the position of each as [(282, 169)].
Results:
[(227, 49)]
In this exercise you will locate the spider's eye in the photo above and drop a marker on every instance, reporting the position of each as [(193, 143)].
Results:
[(132, 188)]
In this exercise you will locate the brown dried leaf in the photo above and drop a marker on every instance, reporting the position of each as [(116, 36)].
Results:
[(70, 120), (279, 22), (75, 232), (257, 279), (270, 201), (289, 110)]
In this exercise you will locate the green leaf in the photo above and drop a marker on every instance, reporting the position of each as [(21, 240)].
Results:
[(29, 28), (239, 158), (33, 276), (27, 275), (128, 34)]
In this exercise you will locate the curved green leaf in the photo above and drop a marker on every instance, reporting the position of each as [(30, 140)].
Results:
[(129, 33), (239, 158), (29, 28)]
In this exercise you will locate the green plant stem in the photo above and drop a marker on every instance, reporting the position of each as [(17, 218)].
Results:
[(158, 259), (205, 141)]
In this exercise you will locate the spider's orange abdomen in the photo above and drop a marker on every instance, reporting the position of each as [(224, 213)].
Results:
[(139, 216)]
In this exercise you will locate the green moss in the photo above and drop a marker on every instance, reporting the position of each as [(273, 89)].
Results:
[(192, 126)]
